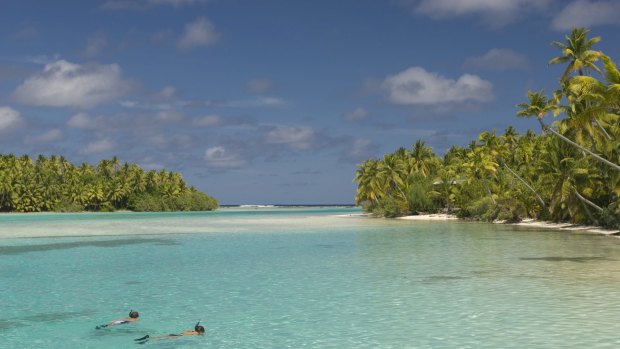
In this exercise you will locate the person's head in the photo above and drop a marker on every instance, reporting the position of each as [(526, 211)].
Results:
[(133, 314), (199, 329)]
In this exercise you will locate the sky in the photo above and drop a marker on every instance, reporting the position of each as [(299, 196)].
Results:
[(275, 101)]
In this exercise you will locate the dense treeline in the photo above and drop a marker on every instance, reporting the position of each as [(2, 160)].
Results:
[(54, 184), (569, 172)]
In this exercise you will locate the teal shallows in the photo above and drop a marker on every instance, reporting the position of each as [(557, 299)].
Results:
[(274, 278)]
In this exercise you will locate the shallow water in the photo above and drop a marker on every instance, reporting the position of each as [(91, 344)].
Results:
[(295, 278)]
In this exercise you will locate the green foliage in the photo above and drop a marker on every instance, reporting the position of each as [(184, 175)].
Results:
[(570, 172), (389, 207), (419, 198), (54, 184)]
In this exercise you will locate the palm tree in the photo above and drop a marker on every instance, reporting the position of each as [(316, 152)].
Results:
[(539, 106), (481, 165), (577, 51), (497, 149)]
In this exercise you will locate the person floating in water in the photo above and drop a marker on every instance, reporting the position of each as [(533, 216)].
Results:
[(198, 331), (133, 317)]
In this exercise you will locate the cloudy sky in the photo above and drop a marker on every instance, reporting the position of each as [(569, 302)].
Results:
[(274, 101)]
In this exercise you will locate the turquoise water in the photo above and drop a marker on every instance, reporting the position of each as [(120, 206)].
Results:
[(302, 278)]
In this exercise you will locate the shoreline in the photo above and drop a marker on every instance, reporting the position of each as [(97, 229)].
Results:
[(532, 223)]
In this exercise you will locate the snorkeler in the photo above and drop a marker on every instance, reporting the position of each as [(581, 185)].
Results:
[(198, 331), (133, 317)]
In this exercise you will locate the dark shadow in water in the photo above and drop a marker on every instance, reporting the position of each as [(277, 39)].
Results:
[(8, 324), (440, 278), (565, 259), (7, 250), (47, 317)]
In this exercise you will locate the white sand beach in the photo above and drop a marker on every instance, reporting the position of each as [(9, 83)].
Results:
[(525, 223), (430, 217), (565, 226)]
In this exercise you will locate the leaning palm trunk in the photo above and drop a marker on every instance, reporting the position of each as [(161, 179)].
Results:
[(588, 202), (562, 137), (486, 186), (542, 202)]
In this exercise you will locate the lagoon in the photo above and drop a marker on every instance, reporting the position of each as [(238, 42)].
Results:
[(302, 277)]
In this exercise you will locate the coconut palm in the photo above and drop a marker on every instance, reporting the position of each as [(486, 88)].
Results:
[(539, 106), (577, 52)]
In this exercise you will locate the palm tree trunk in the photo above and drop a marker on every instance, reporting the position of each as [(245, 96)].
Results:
[(603, 130), (596, 156), (586, 201), (542, 202), (486, 186)]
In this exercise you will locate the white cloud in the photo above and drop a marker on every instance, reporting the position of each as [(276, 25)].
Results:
[(296, 137), (9, 118), (586, 13), (497, 12), (85, 121), (356, 115), (498, 59), (219, 157), (49, 136), (207, 121), (197, 34), (98, 146), (416, 86), (259, 85), (65, 84)]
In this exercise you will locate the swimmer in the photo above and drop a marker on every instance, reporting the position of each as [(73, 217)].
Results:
[(198, 331), (133, 317)]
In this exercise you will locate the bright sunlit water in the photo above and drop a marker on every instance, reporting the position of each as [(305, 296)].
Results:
[(303, 278)]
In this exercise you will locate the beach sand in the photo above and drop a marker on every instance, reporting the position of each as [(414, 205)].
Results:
[(524, 223)]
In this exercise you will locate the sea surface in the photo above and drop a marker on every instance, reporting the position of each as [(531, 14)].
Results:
[(302, 278)]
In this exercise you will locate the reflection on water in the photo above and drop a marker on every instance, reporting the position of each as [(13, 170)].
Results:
[(565, 259)]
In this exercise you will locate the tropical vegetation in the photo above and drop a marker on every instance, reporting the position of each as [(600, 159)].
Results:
[(569, 172), (55, 184)]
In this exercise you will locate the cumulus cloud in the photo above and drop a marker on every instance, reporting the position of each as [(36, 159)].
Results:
[(586, 13), (259, 85), (65, 84), (220, 157), (416, 86), (498, 59), (356, 115), (297, 137), (85, 121), (497, 12), (98, 146), (9, 118), (198, 33)]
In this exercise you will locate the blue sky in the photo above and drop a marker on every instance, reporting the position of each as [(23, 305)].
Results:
[(274, 101)]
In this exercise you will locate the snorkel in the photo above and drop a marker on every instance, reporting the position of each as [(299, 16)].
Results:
[(133, 314), (199, 328)]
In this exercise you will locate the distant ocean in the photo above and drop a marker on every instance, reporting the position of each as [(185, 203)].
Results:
[(302, 277)]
